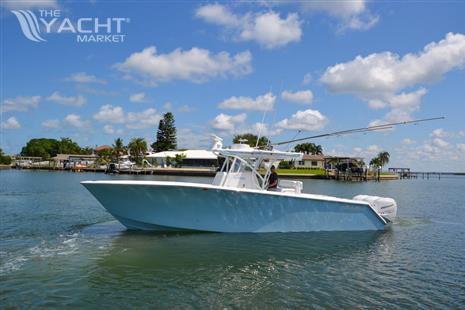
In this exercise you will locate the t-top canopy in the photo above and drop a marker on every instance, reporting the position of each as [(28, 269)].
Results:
[(246, 152)]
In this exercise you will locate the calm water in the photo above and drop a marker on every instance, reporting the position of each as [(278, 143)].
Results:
[(58, 247)]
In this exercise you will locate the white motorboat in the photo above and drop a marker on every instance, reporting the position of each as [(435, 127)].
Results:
[(123, 164), (238, 200)]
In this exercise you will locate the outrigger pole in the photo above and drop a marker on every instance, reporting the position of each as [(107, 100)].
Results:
[(360, 130)]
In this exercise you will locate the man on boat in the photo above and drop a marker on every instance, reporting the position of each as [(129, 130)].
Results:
[(273, 179)]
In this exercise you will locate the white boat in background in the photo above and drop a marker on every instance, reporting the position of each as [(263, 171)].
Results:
[(123, 164), (238, 200)]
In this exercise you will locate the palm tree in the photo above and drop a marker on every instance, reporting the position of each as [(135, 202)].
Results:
[(309, 148), (383, 158), (138, 147), (118, 148)]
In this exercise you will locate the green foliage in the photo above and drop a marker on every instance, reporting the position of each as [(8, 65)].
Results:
[(309, 148), (105, 156), (168, 161), (178, 159), (285, 164), (118, 148), (166, 134), (380, 160), (47, 148), (137, 148), (4, 159), (251, 139)]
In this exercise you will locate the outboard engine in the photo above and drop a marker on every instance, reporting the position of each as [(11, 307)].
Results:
[(386, 207)]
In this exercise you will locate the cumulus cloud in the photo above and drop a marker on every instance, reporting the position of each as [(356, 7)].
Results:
[(132, 120), (352, 14), (379, 78), (108, 129), (51, 123), (461, 147), (10, 123), (20, 103), (268, 29), (195, 65), (188, 139), (29, 4), (408, 141), (261, 103), (82, 77), (75, 120), (228, 122), (307, 79), (144, 119), (303, 96), (110, 114), (138, 98), (74, 101), (307, 120)]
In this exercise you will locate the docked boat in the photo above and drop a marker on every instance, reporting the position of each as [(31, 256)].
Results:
[(238, 200)]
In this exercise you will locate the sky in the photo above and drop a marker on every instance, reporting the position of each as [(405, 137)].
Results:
[(97, 70)]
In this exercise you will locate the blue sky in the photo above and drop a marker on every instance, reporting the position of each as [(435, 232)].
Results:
[(223, 67)]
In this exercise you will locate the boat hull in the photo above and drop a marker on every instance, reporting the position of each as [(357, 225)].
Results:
[(174, 206)]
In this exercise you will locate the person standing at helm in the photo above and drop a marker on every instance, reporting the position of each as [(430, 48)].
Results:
[(273, 179)]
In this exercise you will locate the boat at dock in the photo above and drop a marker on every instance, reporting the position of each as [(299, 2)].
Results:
[(238, 200)]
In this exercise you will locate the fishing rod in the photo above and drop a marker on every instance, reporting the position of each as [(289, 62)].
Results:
[(360, 130)]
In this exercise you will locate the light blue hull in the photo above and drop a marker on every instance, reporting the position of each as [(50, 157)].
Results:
[(174, 207)]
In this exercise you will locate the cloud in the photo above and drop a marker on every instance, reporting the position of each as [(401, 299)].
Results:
[(132, 120), (304, 96), (110, 114), (75, 120), (10, 123), (73, 101), (440, 143), (408, 141), (82, 77), (108, 129), (307, 79), (259, 128), (51, 123), (20, 103), (228, 122), (138, 97), (268, 29), (261, 103), (196, 65), (188, 139), (144, 119), (185, 109), (307, 120), (168, 105), (379, 78), (29, 4), (353, 15), (461, 148)]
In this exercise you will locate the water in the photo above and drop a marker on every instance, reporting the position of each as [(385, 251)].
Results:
[(58, 247)]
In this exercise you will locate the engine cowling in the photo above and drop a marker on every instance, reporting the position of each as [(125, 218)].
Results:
[(384, 206)]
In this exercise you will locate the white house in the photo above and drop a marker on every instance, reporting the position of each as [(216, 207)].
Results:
[(193, 158)]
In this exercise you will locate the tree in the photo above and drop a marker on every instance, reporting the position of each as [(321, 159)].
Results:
[(118, 148), (47, 148), (309, 148), (67, 146), (4, 159), (166, 134), (252, 139), (383, 158), (178, 159), (42, 147), (137, 148)]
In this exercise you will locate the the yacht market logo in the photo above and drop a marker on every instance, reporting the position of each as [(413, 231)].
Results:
[(87, 29)]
